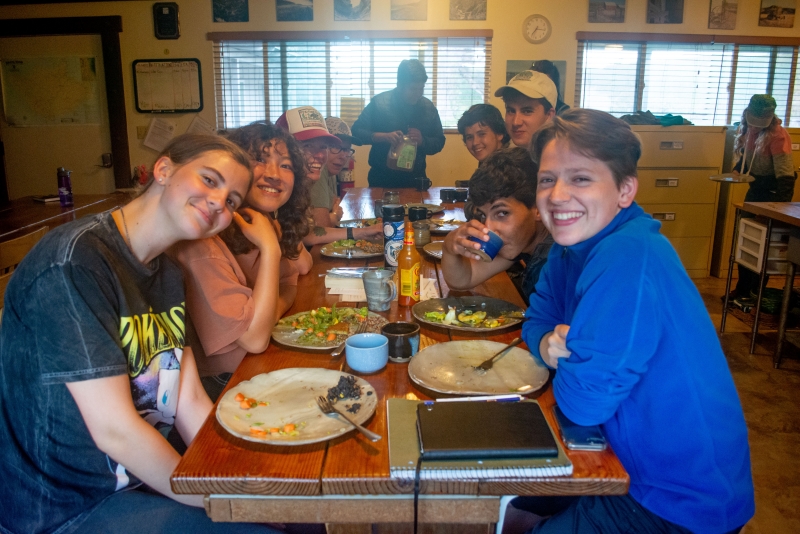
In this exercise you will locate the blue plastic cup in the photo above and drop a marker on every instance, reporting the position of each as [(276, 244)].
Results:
[(489, 249)]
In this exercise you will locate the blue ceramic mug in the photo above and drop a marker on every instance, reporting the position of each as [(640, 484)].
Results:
[(489, 249), (367, 353)]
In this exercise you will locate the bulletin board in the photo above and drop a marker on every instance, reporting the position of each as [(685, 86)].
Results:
[(167, 86)]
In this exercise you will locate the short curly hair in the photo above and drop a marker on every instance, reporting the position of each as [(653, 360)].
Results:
[(485, 115), (507, 173), (254, 138)]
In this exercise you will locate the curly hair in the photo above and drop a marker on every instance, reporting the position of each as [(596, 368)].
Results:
[(763, 137), (254, 138), (508, 172)]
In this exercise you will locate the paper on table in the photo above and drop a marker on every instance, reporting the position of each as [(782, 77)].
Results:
[(353, 296), (159, 133), (428, 289)]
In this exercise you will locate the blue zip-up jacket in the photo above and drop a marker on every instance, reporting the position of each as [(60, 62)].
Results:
[(647, 365)]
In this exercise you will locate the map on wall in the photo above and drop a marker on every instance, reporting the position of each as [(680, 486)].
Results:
[(50, 90)]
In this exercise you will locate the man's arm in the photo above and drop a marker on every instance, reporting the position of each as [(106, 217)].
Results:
[(362, 128), (432, 133), (461, 268)]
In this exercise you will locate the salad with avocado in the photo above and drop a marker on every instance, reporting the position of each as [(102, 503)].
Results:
[(470, 318)]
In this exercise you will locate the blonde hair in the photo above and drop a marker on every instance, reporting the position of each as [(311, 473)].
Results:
[(762, 139)]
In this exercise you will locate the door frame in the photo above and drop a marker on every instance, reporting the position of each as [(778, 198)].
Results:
[(108, 28)]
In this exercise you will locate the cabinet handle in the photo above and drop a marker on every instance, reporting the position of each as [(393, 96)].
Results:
[(664, 216), (671, 145), (666, 182)]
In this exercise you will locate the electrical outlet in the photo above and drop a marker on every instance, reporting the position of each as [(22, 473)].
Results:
[(141, 132)]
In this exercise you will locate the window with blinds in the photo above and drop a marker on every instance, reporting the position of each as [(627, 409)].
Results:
[(255, 80), (708, 84)]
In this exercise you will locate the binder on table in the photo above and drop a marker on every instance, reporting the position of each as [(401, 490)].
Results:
[(404, 449)]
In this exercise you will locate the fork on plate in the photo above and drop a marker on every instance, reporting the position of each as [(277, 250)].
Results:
[(361, 329), (328, 409)]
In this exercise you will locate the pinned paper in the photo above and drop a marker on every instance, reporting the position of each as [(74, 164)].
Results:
[(159, 133)]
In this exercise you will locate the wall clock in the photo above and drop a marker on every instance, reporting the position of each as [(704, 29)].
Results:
[(536, 29)]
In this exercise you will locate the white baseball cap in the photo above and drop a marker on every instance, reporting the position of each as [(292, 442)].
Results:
[(305, 123), (533, 85)]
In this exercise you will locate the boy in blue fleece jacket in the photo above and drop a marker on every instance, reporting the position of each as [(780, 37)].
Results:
[(616, 314)]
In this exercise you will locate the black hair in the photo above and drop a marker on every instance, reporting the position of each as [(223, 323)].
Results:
[(486, 115), (411, 71), (509, 172)]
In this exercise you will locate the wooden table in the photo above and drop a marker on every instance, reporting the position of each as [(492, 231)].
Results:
[(346, 480), (787, 213), (25, 215)]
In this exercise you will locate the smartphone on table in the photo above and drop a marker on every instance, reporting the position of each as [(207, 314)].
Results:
[(577, 437)]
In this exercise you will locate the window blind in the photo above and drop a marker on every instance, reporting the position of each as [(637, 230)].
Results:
[(254, 80), (708, 84)]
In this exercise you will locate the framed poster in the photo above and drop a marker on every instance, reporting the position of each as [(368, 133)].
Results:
[(777, 13), (664, 11), (294, 10), (409, 9), (352, 9), (607, 11), (167, 86), (467, 9)]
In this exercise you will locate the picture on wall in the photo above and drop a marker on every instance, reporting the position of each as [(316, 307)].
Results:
[(777, 13), (664, 11), (294, 10), (352, 9), (230, 10), (607, 11), (722, 14), (467, 9), (409, 9)]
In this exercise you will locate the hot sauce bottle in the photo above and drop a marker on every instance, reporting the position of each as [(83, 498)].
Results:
[(408, 262)]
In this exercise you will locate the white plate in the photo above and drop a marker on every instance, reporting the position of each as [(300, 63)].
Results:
[(434, 248), (291, 396), (448, 368), (285, 334), (347, 252)]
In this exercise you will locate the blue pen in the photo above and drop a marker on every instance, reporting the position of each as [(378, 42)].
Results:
[(486, 398)]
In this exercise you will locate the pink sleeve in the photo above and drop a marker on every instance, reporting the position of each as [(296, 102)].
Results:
[(781, 142), (217, 297), (289, 272)]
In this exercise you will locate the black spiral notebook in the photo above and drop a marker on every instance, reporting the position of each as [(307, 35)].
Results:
[(482, 451), (485, 430)]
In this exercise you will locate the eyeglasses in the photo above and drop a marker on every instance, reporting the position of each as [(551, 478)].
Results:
[(337, 150)]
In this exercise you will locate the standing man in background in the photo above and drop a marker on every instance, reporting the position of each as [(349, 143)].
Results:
[(530, 99), (389, 116)]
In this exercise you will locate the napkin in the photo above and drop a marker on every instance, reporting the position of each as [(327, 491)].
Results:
[(428, 289)]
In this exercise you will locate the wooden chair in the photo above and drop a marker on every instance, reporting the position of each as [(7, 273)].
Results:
[(12, 251)]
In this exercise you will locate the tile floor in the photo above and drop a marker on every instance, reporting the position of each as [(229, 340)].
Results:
[(771, 401)]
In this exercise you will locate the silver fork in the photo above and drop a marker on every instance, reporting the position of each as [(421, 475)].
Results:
[(328, 409), (486, 365), (361, 329)]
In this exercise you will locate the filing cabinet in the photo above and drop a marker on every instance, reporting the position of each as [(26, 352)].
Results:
[(674, 187)]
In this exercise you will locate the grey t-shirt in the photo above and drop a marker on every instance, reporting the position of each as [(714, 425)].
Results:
[(323, 192), (80, 306)]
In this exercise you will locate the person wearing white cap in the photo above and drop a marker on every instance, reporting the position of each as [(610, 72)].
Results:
[(325, 209), (390, 116), (530, 99), (764, 150)]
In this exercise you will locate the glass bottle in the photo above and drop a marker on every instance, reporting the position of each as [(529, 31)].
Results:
[(64, 186), (408, 262)]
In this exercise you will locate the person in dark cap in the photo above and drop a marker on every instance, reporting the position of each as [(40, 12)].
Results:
[(545, 66), (390, 116), (764, 151)]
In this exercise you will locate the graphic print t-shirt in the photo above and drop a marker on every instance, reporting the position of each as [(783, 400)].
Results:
[(80, 307)]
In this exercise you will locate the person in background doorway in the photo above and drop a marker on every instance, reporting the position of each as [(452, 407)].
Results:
[(530, 99), (764, 150), (389, 116), (240, 283), (483, 130), (545, 66)]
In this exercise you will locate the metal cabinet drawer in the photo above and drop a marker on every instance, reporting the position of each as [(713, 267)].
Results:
[(677, 148), (683, 220), (676, 186)]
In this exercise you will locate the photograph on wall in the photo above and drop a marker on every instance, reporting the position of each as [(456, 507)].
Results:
[(352, 9), (664, 11), (409, 9), (467, 9), (230, 10), (722, 14), (777, 13), (607, 11), (294, 10), (515, 66)]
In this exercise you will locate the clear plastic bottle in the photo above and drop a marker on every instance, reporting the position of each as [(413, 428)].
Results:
[(64, 186), (402, 156)]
